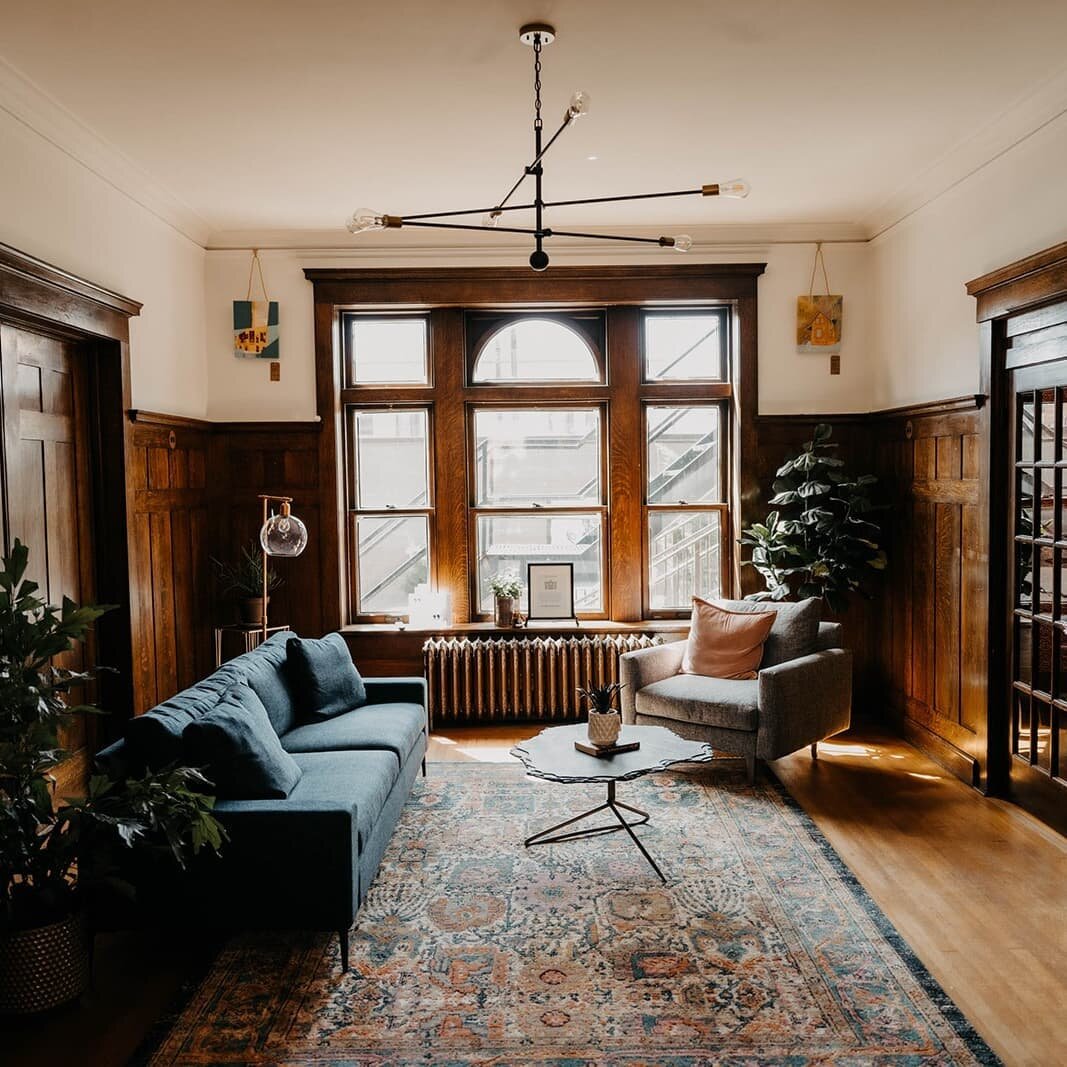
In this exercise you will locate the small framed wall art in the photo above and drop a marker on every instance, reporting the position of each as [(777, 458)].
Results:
[(255, 322), (551, 591), (819, 318)]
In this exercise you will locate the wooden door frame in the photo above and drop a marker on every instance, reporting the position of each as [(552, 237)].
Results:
[(1028, 283), (37, 296)]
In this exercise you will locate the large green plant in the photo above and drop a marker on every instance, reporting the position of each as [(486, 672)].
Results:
[(822, 540), (53, 852)]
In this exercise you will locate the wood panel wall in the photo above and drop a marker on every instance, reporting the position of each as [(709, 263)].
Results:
[(931, 633), (169, 542)]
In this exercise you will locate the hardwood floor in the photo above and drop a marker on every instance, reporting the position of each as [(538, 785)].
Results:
[(977, 887)]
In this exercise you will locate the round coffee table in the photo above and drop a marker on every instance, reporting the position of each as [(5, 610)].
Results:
[(551, 755)]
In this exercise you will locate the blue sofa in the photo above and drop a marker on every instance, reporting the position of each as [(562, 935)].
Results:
[(306, 861)]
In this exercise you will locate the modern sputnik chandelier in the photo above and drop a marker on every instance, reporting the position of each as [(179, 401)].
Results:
[(537, 35)]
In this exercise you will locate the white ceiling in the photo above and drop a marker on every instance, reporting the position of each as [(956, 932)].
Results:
[(273, 115)]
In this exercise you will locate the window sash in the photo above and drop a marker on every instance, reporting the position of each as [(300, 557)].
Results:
[(722, 374)]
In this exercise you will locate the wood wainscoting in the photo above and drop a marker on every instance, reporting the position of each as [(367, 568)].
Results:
[(931, 633), (920, 645), (169, 540)]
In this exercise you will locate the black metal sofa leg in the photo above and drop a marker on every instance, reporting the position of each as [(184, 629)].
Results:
[(424, 766), (343, 935)]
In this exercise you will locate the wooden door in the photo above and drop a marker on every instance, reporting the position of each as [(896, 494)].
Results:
[(47, 492), (1037, 571)]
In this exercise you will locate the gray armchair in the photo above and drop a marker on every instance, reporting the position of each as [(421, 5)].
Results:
[(789, 705)]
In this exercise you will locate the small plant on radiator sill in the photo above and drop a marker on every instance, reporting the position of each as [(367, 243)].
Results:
[(605, 722)]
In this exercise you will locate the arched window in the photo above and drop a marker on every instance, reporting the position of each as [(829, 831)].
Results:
[(535, 350)]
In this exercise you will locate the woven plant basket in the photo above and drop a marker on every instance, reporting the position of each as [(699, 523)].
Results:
[(44, 967)]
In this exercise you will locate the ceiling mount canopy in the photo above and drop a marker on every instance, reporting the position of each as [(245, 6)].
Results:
[(537, 35)]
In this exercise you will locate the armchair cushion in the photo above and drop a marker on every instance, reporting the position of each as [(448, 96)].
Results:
[(324, 677), (724, 643), (795, 632), (730, 703)]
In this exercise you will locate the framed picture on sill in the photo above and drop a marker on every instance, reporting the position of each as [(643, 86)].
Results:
[(551, 590)]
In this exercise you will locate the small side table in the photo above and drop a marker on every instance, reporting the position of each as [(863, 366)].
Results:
[(251, 637)]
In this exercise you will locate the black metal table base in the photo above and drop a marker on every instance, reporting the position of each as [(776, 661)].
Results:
[(616, 807)]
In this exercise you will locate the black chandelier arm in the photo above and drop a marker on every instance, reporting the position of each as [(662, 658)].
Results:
[(480, 229), (528, 170), (664, 242), (555, 203)]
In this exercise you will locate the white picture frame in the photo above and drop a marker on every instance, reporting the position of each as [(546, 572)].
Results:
[(550, 591)]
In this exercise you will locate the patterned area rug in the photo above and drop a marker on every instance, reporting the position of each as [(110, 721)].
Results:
[(471, 950)]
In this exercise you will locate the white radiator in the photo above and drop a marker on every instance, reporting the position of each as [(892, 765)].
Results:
[(518, 678)]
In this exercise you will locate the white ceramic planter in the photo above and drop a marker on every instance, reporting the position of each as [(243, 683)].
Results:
[(604, 728)]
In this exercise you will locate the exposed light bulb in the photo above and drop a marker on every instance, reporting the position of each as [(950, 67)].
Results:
[(737, 188), (491, 219), (682, 242), (283, 534), (364, 219), (579, 105)]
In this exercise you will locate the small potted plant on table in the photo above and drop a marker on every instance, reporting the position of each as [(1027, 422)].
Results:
[(55, 853), (506, 589), (605, 722), (245, 579)]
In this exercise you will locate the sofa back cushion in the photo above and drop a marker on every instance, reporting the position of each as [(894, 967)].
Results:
[(155, 738), (238, 750), (795, 632), (723, 643), (324, 678)]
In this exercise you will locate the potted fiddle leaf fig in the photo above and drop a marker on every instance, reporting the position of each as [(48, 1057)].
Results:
[(605, 722), (244, 579), (55, 853), (506, 589), (821, 539)]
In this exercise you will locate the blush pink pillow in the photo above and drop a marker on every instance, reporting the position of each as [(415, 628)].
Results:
[(725, 644)]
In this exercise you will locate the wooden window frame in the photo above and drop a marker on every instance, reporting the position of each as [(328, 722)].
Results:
[(353, 512), (348, 365), (596, 402), (446, 295), (722, 507)]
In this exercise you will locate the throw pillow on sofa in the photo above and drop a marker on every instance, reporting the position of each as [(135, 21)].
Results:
[(795, 632), (725, 644), (238, 749), (325, 680)]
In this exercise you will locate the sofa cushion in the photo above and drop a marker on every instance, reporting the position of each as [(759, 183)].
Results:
[(730, 703), (723, 643), (266, 669), (795, 632), (353, 783), (324, 677), (238, 749), (155, 738), (392, 727)]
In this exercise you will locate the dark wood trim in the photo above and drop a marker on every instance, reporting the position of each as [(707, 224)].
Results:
[(923, 409), (444, 292), (16, 263), (1033, 280), (140, 417), (306, 427)]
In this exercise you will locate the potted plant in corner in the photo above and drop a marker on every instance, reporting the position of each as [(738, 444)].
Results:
[(506, 590), (605, 722), (244, 579), (55, 853), (821, 540)]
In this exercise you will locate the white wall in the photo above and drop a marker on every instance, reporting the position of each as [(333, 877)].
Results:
[(56, 209), (241, 390), (924, 343)]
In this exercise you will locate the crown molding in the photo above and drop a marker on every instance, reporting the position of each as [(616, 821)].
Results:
[(1010, 128), (50, 120)]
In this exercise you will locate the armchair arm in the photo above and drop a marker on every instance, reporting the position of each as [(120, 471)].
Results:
[(802, 701), (645, 666)]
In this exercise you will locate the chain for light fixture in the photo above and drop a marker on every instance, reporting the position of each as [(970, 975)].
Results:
[(537, 35)]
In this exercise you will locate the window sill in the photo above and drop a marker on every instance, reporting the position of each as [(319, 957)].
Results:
[(590, 626)]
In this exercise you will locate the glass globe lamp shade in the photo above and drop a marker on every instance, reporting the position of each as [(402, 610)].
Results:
[(283, 534)]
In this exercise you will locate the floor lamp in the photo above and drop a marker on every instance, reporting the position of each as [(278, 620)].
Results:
[(281, 535)]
